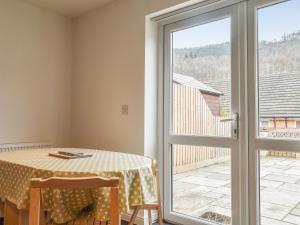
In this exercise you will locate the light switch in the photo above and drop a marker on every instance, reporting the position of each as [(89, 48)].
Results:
[(125, 110)]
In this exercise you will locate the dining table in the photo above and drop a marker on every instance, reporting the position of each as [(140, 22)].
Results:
[(17, 168)]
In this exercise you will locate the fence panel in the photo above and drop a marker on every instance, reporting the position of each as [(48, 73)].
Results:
[(192, 116)]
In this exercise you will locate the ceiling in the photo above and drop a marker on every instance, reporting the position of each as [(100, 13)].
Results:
[(72, 8)]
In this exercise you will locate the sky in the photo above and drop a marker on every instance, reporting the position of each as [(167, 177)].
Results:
[(273, 22), (211, 33)]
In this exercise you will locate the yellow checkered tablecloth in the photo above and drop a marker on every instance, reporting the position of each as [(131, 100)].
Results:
[(137, 183)]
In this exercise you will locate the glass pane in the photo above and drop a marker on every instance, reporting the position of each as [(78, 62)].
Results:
[(202, 80), (279, 187), (279, 70), (202, 182)]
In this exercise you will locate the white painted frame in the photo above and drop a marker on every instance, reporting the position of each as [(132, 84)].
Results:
[(257, 143), (239, 158)]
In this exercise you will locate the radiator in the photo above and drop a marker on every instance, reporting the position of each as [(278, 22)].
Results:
[(23, 146)]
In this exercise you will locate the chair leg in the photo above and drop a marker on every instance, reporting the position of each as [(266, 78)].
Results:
[(149, 217), (160, 215), (134, 215)]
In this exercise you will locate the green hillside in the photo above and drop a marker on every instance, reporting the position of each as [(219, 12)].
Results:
[(213, 61)]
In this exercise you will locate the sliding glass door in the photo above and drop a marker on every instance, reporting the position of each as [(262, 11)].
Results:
[(202, 111)]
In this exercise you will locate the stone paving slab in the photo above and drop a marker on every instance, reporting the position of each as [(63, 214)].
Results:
[(284, 163), (296, 163), (280, 197), (215, 195), (296, 210), (292, 219), (290, 187), (222, 190), (223, 202), (270, 183), (182, 187), (191, 202), (264, 173), (224, 169), (202, 189), (268, 221), (209, 189), (281, 178), (294, 171), (225, 177), (274, 211), (271, 170), (203, 180)]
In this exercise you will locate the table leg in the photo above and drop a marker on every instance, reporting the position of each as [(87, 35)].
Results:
[(13, 216), (1, 211), (1, 208), (23, 217)]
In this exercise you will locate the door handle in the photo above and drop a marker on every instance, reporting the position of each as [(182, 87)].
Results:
[(235, 124), (234, 118), (228, 120)]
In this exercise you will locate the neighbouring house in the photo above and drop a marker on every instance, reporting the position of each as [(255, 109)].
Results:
[(279, 106), (279, 102)]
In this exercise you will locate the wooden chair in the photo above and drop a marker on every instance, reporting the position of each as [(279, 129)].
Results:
[(151, 205), (36, 213)]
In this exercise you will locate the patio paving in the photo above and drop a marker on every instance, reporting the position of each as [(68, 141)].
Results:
[(207, 189)]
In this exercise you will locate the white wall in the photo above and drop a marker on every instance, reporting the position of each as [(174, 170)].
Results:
[(36, 82), (35, 74), (110, 71)]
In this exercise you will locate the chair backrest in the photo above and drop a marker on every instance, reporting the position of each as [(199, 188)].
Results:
[(36, 216)]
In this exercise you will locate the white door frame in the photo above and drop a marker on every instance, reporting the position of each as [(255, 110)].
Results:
[(248, 130), (255, 142), (238, 70)]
